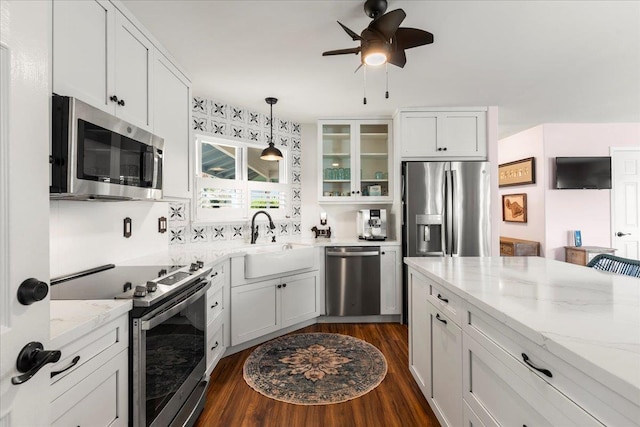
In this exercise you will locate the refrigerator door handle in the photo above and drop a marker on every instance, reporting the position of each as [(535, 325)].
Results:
[(454, 232), (448, 220)]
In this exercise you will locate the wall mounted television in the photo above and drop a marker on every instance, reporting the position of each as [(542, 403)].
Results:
[(583, 173)]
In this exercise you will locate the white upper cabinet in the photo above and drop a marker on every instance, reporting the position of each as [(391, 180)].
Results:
[(104, 57), (171, 101), (133, 61), (101, 58), (83, 41), (355, 161), (434, 133)]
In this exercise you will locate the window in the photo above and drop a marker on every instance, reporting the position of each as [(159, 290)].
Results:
[(233, 182)]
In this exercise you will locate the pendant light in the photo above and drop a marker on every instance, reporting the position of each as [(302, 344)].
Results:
[(271, 152)]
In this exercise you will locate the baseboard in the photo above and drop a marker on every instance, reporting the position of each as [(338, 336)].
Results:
[(381, 318)]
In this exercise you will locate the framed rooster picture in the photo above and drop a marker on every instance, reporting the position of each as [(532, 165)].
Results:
[(514, 207)]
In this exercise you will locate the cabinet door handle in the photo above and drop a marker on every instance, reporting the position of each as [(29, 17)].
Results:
[(542, 370), (214, 274), (215, 305), (279, 286), (73, 363), (440, 319), (444, 149), (439, 148), (443, 299), (114, 98), (215, 346), (284, 285), (121, 102)]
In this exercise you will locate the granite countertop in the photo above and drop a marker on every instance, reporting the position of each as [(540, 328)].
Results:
[(71, 319), (588, 318)]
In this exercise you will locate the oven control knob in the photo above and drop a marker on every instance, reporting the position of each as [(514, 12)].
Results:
[(151, 286), (194, 266), (200, 264), (140, 291)]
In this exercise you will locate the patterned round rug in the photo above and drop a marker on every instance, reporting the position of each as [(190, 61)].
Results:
[(315, 368)]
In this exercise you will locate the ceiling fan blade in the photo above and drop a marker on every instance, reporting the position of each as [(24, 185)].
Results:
[(388, 23), (398, 58), (353, 34), (354, 50), (406, 38)]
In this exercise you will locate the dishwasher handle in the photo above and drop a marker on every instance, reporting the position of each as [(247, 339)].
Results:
[(353, 254)]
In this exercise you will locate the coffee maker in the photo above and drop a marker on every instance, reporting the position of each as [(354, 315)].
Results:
[(372, 224)]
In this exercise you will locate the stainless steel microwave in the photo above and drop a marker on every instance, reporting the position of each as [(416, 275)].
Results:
[(95, 155)]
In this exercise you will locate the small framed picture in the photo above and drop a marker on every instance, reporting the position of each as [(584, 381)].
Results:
[(514, 207)]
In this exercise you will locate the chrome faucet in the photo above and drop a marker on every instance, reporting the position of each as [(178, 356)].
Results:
[(254, 230)]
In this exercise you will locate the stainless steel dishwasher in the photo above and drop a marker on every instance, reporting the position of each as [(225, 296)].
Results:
[(352, 280)]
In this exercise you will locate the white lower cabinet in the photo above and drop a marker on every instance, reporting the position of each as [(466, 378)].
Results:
[(435, 353), (90, 382), (419, 333), (390, 280), (218, 320), (472, 371), (100, 399), (267, 306), (446, 375), (502, 391)]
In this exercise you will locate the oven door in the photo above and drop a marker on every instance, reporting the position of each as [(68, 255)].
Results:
[(168, 357)]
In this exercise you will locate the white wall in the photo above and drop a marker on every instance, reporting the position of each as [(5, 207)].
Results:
[(585, 210), (552, 213), (525, 144), (88, 234)]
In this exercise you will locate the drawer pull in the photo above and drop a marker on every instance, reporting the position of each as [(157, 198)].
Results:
[(441, 298), (215, 305), (73, 363), (215, 345), (214, 274), (544, 371), (440, 319)]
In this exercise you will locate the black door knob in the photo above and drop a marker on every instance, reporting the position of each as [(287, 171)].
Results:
[(31, 359), (32, 290)]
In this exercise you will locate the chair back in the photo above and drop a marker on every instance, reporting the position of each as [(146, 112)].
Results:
[(615, 264)]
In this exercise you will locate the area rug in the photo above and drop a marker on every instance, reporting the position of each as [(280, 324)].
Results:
[(315, 368)]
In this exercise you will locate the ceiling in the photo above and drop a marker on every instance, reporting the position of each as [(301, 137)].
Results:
[(538, 61)]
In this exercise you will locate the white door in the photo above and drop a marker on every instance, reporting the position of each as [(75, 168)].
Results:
[(25, 97), (625, 202)]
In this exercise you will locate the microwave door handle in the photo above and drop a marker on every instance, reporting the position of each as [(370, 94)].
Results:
[(157, 158)]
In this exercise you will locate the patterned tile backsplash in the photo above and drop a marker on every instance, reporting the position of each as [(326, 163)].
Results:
[(217, 118)]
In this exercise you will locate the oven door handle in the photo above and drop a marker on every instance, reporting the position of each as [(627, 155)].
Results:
[(146, 325)]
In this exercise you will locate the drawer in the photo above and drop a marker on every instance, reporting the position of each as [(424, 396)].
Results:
[(506, 249), (470, 419), (447, 302), (105, 341), (501, 391), (100, 399), (575, 257), (215, 303), (601, 402), (217, 274), (215, 342)]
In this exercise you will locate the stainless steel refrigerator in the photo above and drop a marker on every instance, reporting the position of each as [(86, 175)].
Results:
[(446, 210)]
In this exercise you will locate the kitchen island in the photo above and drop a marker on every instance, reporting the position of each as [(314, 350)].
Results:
[(566, 332)]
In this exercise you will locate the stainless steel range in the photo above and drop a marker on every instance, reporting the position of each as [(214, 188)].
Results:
[(167, 335)]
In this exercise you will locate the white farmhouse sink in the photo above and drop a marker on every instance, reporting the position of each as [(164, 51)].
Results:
[(276, 259)]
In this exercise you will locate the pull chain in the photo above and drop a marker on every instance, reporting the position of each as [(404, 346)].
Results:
[(364, 74), (386, 71)]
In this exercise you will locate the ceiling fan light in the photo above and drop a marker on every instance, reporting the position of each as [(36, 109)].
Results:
[(271, 153), (375, 58)]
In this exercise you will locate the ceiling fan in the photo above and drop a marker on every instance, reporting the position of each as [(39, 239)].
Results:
[(383, 41)]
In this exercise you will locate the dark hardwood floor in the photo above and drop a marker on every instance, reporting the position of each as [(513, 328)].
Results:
[(397, 401)]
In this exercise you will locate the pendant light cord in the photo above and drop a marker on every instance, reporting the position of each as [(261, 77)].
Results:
[(386, 71), (364, 74)]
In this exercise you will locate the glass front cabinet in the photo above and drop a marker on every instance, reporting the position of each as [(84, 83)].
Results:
[(354, 161)]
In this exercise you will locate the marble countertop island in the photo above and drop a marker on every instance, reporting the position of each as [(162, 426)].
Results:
[(589, 318)]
